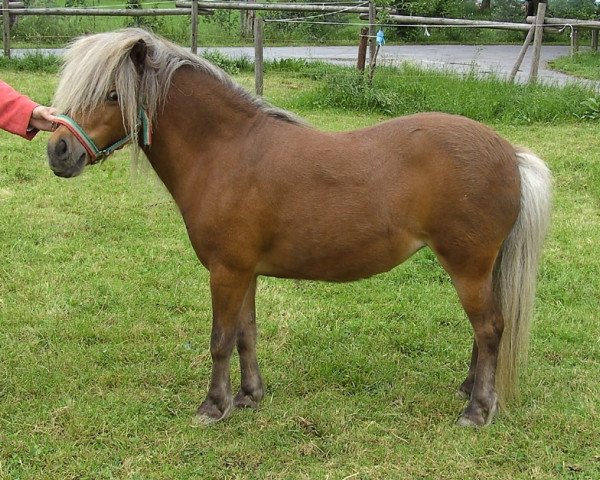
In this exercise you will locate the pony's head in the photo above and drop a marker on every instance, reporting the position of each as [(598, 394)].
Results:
[(110, 88)]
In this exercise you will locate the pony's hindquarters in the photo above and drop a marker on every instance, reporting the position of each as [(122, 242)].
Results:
[(516, 269)]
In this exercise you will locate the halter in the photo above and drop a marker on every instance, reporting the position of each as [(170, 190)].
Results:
[(96, 154)]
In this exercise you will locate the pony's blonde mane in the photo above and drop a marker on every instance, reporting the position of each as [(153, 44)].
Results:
[(97, 64)]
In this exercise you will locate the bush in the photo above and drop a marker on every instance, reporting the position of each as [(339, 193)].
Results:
[(592, 108), (582, 9), (149, 23), (438, 8), (501, 10)]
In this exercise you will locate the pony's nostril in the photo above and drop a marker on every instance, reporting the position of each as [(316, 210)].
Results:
[(61, 148)]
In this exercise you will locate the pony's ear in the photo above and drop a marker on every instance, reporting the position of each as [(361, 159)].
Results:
[(138, 55)]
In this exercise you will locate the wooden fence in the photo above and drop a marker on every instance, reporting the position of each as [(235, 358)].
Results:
[(14, 9), (534, 25), (573, 26)]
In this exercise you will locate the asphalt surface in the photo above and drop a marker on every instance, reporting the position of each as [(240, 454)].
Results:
[(490, 59), (493, 59)]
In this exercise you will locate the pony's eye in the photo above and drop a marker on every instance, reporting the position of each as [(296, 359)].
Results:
[(112, 96)]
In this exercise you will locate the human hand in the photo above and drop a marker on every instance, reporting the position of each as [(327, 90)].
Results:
[(42, 118)]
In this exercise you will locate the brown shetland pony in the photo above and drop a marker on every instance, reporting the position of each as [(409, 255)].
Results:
[(262, 193)]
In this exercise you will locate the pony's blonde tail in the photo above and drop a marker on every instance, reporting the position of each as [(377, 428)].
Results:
[(516, 270)]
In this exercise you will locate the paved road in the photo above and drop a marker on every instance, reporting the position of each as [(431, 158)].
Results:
[(496, 59)]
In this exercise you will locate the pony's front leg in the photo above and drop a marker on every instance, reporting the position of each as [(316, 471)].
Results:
[(228, 290), (251, 389)]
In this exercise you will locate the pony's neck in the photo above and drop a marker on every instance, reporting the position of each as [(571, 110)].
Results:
[(199, 127), (199, 104)]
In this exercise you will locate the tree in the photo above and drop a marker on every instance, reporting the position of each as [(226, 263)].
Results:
[(531, 7)]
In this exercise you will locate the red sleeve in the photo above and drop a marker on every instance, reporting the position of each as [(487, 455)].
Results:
[(15, 111)]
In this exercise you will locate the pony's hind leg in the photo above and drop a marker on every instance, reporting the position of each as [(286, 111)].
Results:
[(251, 389), (466, 387), (472, 278), (477, 298)]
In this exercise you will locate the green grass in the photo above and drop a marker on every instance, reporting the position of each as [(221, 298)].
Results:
[(32, 62), (412, 89), (584, 65), (105, 325)]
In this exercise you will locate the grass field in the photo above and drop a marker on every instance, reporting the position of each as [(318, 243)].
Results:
[(584, 65), (105, 325)]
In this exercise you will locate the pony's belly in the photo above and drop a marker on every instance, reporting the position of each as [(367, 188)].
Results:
[(338, 265)]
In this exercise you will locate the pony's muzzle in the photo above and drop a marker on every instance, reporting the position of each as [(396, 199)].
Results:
[(66, 156)]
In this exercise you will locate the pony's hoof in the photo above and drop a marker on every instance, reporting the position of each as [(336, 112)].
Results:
[(209, 413), (477, 417), (246, 400), (464, 421)]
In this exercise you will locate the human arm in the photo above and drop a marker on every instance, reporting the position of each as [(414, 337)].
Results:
[(21, 115)]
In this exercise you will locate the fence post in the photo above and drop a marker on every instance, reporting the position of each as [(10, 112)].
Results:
[(243, 23), (373, 65), (595, 40), (251, 18), (194, 20), (372, 14), (537, 41), (521, 55), (362, 49), (258, 55), (574, 41), (6, 32), (247, 20)]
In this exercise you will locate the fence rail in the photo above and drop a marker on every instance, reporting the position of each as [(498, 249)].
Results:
[(106, 12), (277, 7), (568, 22), (430, 21)]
